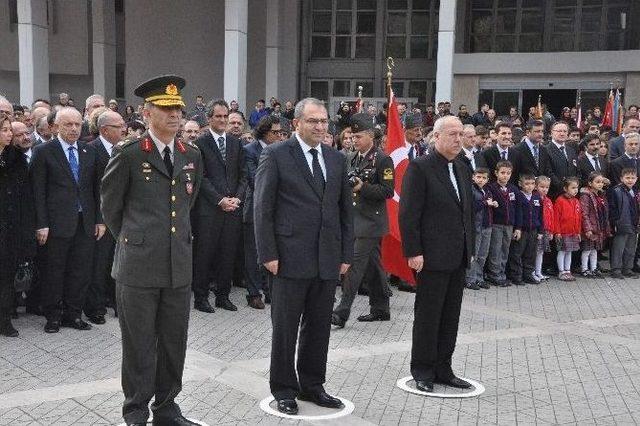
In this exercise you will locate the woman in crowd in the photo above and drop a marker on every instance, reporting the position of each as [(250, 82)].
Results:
[(17, 233)]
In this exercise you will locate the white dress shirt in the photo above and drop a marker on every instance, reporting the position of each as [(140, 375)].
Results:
[(107, 145), (309, 157), (160, 145), (65, 147)]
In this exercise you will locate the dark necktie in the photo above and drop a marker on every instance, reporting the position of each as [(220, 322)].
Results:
[(167, 160), (318, 177), (596, 164), (222, 148), (73, 162), (503, 154), (564, 152), (536, 155)]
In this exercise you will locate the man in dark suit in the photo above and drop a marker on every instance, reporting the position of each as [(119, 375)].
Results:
[(501, 151), (413, 136), (564, 159), (217, 215), (437, 228), (101, 291), (372, 184), (304, 236), (531, 158), (267, 131), (616, 145), (589, 161), (473, 159), (148, 189), (66, 186), (629, 159)]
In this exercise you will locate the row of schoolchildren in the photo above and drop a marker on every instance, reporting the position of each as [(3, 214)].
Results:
[(515, 227)]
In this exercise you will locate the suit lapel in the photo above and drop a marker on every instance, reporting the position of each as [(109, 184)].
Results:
[(156, 161), (85, 158), (214, 147), (301, 162), (62, 159)]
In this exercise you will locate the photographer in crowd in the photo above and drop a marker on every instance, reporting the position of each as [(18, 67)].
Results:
[(371, 179)]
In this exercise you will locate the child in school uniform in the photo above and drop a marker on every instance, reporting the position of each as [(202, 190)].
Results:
[(548, 223), (595, 224), (484, 205), (568, 226), (625, 219), (527, 231), (502, 229)]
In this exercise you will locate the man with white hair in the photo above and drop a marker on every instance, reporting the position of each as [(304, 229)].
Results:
[(41, 132), (6, 107), (92, 103), (437, 228), (66, 186)]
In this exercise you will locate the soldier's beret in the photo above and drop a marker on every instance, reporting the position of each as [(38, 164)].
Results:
[(361, 122), (163, 90)]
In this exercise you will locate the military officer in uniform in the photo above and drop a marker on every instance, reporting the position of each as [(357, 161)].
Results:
[(148, 189), (371, 178)]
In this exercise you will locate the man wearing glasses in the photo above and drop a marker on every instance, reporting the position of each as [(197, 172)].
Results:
[(267, 131), (304, 238)]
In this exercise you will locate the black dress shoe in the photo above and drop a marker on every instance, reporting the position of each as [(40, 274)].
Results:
[(378, 316), (337, 321), (175, 421), (7, 329), (34, 310), (424, 385), (454, 382), (405, 286), (97, 319), (52, 326), (267, 299), (288, 406), (203, 305), (322, 399), (225, 304), (76, 323)]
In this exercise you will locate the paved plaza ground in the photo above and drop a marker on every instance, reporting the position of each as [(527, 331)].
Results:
[(557, 353)]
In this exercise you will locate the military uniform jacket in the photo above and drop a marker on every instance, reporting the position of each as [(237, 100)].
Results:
[(370, 203), (147, 211)]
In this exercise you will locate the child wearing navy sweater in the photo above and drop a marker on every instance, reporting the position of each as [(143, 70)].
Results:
[(527, 231), (624, 213), (503, 219), (484, 205)]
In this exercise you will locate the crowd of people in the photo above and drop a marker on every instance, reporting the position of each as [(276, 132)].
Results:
[(545, 188)]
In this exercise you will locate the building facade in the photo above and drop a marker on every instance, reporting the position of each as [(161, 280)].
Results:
[(504, 52)]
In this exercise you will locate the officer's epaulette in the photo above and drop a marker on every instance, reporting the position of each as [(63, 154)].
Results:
[(127, 142)]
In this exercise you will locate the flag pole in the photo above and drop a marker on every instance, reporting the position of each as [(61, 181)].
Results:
[(390, 65)]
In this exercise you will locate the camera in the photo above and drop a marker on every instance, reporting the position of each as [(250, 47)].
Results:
[(365, 175)]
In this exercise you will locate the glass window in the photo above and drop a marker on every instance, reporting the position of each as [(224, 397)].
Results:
[(506, 22), (418, 89), (320, 47), (322, 4), (562, 42), (530, 43), (505, 43), (419, 47), (343, 47), (397, 23), (396, 47), (398, 88), (343, 23), (397, 4), (589, 42), (322, 22), (421, 4), (320, 90), (419, 24), (366, 4), (503, 100), (532, 21), (365, 47), (341, 87), (564, 20), (344, 5), (366, 23)]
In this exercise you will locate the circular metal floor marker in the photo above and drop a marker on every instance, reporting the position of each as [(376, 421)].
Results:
[(476, 390), (313, 412)]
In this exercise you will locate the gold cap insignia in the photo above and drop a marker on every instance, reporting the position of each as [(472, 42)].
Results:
[(171, 90)]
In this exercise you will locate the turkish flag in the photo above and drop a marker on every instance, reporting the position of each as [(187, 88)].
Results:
[(607, 119), (392, 259)]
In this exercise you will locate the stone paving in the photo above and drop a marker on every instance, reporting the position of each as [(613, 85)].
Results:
[(557, 353)]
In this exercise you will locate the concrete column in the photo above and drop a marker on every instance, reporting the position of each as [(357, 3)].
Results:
[(446, 48), (103, 14), (235, 51), (272, 47), (33, 50)]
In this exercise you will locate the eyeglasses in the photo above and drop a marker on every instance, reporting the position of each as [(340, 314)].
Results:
[(276, 132), (315, 122), (116, 126)]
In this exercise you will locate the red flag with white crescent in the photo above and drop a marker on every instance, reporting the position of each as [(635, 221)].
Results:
[(393, 260)]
